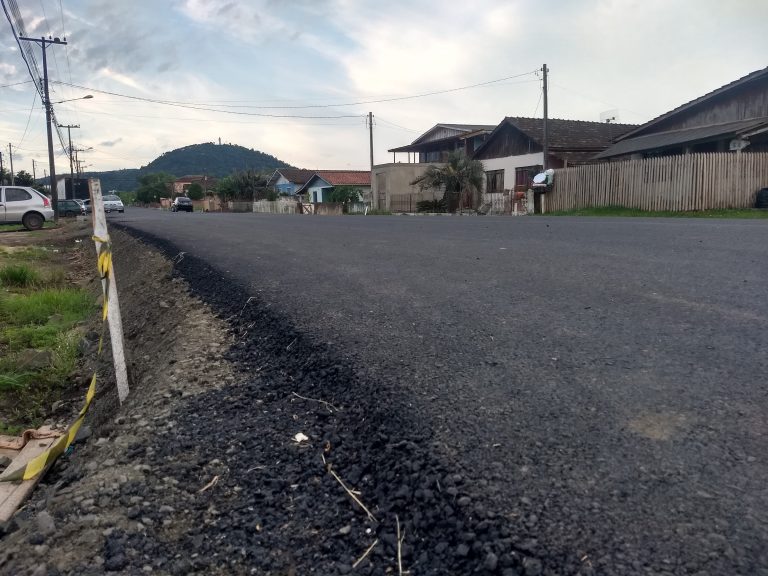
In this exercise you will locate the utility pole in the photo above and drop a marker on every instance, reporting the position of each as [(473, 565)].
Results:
[(2, 171), (48, 113), (370, 132), (544, 70), (34, 177), (71, 169), (10, 159)]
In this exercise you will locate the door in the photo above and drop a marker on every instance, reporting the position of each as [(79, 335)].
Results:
[(2, 204), (17, 202)]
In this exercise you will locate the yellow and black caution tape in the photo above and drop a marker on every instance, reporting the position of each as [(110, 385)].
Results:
[(41, 462)]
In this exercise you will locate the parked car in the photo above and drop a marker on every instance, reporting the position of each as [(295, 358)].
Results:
[(113, 203), (70, 208), (182, 204), (20, 204)]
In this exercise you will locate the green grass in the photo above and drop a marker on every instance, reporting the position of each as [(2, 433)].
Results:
[(71, 305), (20, 228), (19, 275), (634, 213)]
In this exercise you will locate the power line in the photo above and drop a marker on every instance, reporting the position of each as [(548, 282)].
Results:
[(204, 109), (32, 109), (16, 84), (358, 103)]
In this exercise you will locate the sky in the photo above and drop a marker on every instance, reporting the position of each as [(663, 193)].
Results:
[(296, 78)]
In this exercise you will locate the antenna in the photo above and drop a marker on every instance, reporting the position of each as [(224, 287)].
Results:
[(610, 116)]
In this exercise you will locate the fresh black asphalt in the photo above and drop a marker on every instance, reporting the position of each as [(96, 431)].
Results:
[(600, 382)]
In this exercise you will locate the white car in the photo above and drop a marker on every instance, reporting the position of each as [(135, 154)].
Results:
[(21, 204), (113, 203)]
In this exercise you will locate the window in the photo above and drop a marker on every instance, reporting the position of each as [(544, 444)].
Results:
[(17, 195), (524, 176), (494, 181)]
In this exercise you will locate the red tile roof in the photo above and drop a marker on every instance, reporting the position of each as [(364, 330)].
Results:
[(346, 177)]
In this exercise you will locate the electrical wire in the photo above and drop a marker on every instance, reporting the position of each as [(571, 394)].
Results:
[(16, 84), (358, 103), (32, 109), (204, 109)]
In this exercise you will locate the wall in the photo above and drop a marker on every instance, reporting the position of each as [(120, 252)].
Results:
[(510, 163), (394, 179), (281, 206)]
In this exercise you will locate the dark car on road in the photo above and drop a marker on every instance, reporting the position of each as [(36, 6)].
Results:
[(70, 208), (182, 204)]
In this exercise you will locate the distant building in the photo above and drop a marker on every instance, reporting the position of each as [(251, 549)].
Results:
[(181, 185), (322, 182), (289, 180)]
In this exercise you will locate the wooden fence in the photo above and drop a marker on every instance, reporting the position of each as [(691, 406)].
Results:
[(281, 206), (675, 183)]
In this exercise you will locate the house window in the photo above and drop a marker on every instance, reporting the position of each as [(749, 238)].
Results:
[(524, 176), (494, 181)]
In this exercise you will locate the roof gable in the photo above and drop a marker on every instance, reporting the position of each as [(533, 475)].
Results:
[(709, 96), (446, 131)]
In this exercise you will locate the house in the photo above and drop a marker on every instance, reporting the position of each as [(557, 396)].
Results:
[(733, 118), (442, 139), (289, 180), (513, 153), (322, 182), (181, 185)]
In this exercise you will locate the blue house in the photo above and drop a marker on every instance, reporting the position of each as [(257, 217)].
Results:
[(289, 180)]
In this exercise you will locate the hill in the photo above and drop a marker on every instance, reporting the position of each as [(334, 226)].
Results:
[(216, 160)]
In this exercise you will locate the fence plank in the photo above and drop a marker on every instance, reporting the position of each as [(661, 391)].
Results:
[(688, 182)]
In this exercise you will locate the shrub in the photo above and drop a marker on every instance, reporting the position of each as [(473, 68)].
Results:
[(431, 206)]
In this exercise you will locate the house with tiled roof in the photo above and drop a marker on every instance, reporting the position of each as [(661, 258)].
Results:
[(322, 182), (181, 185), (513, 153), (732, 118), (289, 180)]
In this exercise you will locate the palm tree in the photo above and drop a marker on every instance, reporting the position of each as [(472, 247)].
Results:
[(459, 176)]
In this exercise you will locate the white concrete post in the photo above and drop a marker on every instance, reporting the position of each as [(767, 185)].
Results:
[(113, 306)]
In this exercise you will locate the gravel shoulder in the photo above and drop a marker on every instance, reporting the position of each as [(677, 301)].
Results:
[(200, 471)]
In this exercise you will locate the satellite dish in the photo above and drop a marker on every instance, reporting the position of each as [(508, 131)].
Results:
[(540, 178)]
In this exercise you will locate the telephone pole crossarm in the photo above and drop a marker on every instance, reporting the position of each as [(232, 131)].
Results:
[(44, 42)]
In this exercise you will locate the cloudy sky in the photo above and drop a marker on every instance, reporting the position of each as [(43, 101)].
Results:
[(295, 78)]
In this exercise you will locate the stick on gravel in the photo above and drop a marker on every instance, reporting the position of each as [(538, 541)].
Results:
[(328, 405), (365, 554), (352, 494), (210, 484), (399, 547)]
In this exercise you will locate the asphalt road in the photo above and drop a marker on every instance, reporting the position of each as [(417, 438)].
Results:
[(603, 379)]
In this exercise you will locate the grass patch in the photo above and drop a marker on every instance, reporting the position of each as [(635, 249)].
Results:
[(637, 213), (71, 305), (19, 275)]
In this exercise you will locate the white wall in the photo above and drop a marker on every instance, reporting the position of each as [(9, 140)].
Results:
[(509, 164)]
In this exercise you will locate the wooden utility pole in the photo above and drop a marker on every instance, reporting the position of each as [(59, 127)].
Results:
[(48, 113), (370, 132), (34, 177), (544, 70), (71, 169), (10, 159)]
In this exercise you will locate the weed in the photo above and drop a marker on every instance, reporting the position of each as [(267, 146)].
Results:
[(56, 277), (19, 275)]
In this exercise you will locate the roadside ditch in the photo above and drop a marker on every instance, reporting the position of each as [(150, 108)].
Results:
[(203, 470)]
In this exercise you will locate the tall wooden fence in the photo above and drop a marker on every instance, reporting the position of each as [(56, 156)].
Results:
[(676, 183)]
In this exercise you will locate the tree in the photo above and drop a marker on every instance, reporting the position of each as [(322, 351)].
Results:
[(460, 176), (344, 194), (154, 186), (244, 185), (195, 191), (24, 178)]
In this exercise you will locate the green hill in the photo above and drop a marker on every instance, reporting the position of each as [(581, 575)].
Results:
[(217, 160)]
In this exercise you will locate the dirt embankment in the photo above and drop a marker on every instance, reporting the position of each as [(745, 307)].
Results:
[(202, 470)]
